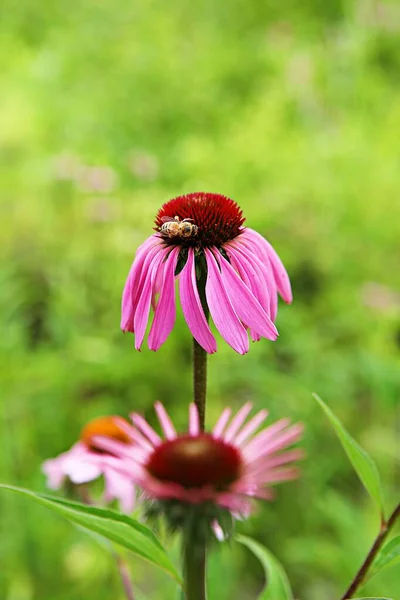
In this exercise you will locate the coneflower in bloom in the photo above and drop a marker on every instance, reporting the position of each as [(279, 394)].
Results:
[(86, 461), (225, 468), (222, 266)]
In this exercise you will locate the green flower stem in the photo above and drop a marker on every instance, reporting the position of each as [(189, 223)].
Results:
[(194, 552), (194, 568), (200, 360), (377, 545), (200, 380)]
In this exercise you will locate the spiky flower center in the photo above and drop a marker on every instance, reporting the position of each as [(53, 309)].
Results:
[(197, 461), (103, 427), (200, 219)]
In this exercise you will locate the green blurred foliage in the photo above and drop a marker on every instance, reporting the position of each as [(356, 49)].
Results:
[(108, 110)]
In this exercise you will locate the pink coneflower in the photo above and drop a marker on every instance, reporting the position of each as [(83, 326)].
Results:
[(226, 467), (220, 264), (86, 461)]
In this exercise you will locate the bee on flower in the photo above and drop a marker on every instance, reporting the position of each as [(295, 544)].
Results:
[(222, 267)]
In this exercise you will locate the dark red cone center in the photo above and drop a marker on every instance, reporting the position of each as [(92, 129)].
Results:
[(213, 220), (196, 461), (103, 427)]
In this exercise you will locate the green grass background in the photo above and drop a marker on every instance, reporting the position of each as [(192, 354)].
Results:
[(292, 109)]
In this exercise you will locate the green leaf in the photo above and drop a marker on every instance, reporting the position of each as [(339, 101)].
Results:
[(388, 556), (278, 586), (374, 598), (361, 461), (118, 528)]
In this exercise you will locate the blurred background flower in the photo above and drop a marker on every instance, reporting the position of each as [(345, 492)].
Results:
[(85, 461), (293, 109)]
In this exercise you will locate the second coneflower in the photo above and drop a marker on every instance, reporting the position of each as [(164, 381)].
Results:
[(222, 267), (226, 467)]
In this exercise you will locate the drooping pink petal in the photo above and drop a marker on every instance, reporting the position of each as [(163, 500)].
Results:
[(250, 275), (261, 274), (240, 268), (245, 303), (120, 488), (153, 240), (234, 503), (218, 531), (53, 470), (79, 470), (132, 287), (165, 421), (221, 309), (192, 308), (165, 315), (116, 448), (253, 489), (194, 423), (143, 307), (280, 274)]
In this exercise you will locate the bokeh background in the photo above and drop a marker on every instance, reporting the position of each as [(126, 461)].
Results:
[(108, 109)]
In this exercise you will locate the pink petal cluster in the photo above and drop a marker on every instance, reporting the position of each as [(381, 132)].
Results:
[(82, 464), (260, 456), (241, 291)]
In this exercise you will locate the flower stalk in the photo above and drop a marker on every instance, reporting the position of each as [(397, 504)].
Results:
[(200, 381), (194, 568), (361, 574), (194, 555)]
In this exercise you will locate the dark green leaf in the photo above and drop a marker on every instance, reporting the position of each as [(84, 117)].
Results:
[(278, 586), (118, 528), (361, 461), (388, 556)]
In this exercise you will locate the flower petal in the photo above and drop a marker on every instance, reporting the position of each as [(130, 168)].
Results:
[(165, 421), (250, 427), (143, 306), (245, 303), (132, 288), (146, 429), (261, 275), (237, 422), (240, 267), (81, 470), (194, 422), (119, 487), (192, 308), (221, 423), (221, 309), (165, 315), (280, 273)]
